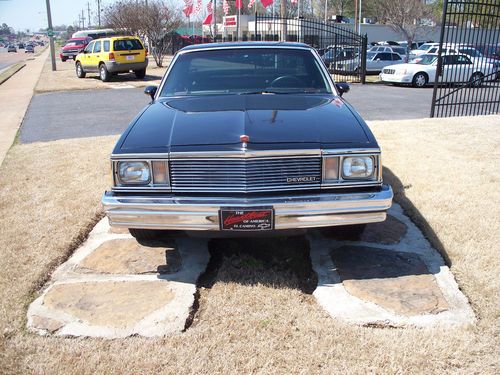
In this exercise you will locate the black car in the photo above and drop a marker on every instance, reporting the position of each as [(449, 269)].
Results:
[(244, 138)]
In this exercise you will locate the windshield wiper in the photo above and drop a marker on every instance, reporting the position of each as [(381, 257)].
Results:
[(266, 92)]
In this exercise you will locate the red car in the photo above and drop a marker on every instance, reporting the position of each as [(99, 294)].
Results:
[(73, 47)]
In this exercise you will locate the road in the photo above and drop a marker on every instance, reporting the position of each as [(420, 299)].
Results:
[(88, 113), (9, 58)]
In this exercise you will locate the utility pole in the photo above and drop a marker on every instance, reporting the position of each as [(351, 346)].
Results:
[(99, 13), (83, 19), (88, 12), (50, 34), (214, 15)]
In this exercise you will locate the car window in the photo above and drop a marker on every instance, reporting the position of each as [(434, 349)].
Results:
[(384, 56), (463, 59), (127, 45), (89, 47), (106, 45), (97, 46), (226, 71), (449, 60), (395, 56)]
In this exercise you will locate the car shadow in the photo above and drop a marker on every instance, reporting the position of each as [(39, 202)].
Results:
[(414, 214), (129, 77), (285, 262)]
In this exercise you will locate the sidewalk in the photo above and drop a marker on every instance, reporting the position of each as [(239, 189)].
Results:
[(15, 96)]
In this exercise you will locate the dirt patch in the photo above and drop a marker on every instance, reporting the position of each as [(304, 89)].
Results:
[(65, 79)]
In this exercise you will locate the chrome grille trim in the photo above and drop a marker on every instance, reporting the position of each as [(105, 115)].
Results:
[(242, 175)]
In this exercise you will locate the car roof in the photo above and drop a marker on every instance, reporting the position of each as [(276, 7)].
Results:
[(229, 45)]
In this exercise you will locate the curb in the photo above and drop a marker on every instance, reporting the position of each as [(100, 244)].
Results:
[(9, 72)]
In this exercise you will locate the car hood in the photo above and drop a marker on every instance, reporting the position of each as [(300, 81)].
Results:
[(266, 119)]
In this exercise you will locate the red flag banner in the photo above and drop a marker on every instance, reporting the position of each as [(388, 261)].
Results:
[(188, 9), (209, 17), (250, 4), (266, 3), (225, 7), (239, 4), (197, 8), (208, 20)]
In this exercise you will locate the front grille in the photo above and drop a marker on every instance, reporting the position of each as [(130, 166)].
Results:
[(245, 174), (389, 71)]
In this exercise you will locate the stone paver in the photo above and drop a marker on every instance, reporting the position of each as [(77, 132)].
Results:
[(115, 287), (127, 256), (399, 281)]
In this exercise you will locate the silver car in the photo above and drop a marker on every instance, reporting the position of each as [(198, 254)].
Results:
[(375, 62)]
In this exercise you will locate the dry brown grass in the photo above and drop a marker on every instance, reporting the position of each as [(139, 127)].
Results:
[(253, 316), (65, 78)]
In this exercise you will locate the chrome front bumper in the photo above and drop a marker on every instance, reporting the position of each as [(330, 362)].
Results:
[(290, 212)]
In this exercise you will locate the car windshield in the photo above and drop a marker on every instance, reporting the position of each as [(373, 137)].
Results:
[(126, 45), (425, 59), (245, 71), (75, 43), (425, 47)]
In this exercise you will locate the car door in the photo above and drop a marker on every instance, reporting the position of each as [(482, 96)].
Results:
[(86, 60), (96, 55), (381, 59), (456, 68)]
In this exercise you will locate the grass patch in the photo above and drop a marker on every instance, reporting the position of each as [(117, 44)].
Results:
[(253, 315), (6, 74)]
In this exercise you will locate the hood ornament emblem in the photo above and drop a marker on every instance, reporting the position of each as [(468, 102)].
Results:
[(244, 139)]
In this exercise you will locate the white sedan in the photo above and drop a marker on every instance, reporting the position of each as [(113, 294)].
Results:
[(456, 68)]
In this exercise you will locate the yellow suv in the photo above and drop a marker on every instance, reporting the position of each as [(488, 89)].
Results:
[(110, 56)]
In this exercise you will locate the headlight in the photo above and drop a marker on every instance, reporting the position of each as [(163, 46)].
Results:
[(355, 167), (133, 173)]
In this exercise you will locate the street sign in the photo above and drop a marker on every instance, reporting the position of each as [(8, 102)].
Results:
[(50, 33)]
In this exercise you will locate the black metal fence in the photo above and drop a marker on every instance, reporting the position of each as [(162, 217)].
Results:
[(342, 50), (467, 79)]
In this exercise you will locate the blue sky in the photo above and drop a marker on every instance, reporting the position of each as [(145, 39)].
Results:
[(31, 14)]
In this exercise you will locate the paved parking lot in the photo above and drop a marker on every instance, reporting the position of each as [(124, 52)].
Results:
[(88, 113)]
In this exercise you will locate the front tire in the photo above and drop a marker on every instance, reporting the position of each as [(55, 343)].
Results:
[(103, 73), (144, 234), (476, 80), (80, 73), (63, 59), (141, 73), (420, 80)]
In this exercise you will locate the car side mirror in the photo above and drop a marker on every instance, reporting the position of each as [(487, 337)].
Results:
[(342, 88), (151, 91)]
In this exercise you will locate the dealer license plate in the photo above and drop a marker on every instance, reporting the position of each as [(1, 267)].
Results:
[(130, 57), (246, 219)]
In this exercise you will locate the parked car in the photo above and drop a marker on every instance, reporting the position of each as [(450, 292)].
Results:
[(29, 49), (396, 49), (11, 48), (456, 68), (73, 47), (375, 61), (423, 49), (338, 54), (112, 56), (243, 138), (21, 45)]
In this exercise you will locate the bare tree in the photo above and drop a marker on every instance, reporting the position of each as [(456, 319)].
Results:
[(404, 16), (154, 22)]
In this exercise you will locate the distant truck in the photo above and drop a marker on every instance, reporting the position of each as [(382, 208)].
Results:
[(73, 47)]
